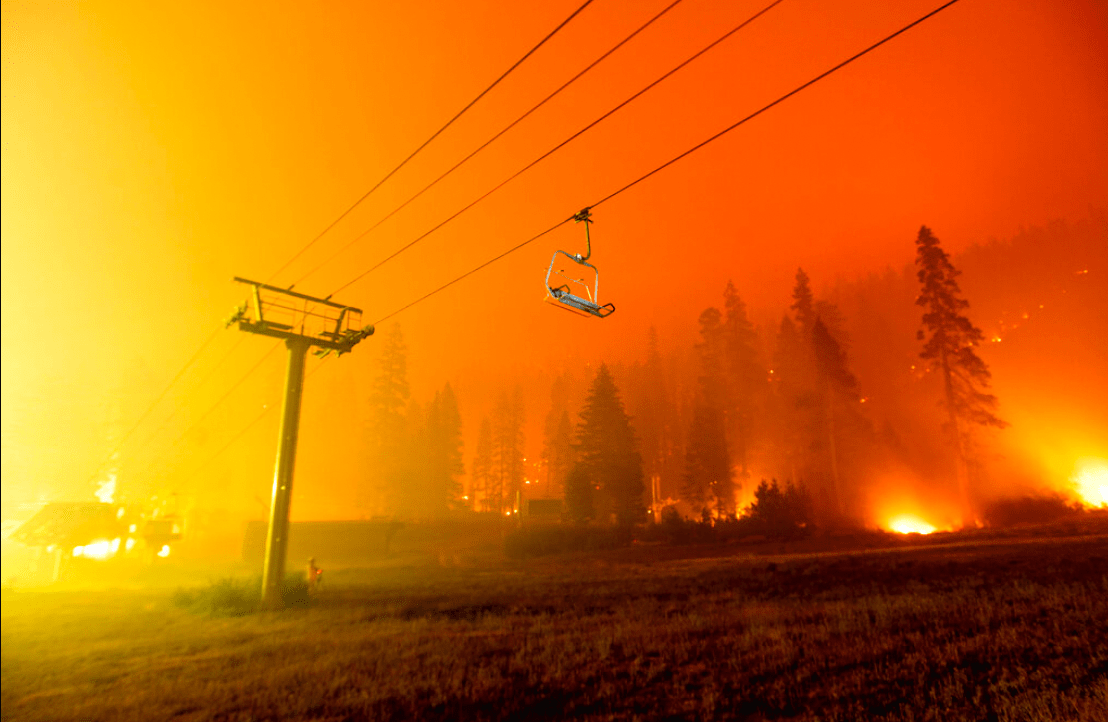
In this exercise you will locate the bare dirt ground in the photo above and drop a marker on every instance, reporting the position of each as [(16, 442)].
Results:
[(981, 626)]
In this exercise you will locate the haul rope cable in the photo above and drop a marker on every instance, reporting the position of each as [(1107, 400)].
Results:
[(425, 143), (670, 162), (196, 424), (490, 141), (561, 145), (253, 422), (180, 406), (443, 128), (673, 160), (153, 404), (196, 355)]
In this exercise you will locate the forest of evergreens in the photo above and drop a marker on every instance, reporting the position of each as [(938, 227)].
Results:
[(854, 399)]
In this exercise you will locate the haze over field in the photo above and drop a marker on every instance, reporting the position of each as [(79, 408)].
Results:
[(151, 153)]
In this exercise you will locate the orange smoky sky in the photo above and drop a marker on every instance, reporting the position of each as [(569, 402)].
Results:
[(152, 151)]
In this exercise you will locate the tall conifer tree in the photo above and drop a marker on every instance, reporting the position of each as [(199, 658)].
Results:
[(481, 475), (557, 443), (508, 449), (805, 416), (580, 494), (708, 479), (788, 363), (834, 383), (654, 420), (607, 454), (803, 303), (562, 456), (950, 340), (387, 442), (443, 452), (746, 379)]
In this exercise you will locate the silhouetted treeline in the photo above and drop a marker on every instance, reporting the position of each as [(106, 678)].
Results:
[(415, 451), (857, 392)]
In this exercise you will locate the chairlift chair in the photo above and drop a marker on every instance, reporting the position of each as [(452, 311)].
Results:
[(587, 300)]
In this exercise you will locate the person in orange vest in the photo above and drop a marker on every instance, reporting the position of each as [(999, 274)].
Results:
[(315, 575)]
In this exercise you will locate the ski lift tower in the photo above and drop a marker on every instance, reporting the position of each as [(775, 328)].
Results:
[(303, 322)]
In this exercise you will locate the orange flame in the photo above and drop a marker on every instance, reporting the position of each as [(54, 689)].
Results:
[(909, 524), (1090, 481)]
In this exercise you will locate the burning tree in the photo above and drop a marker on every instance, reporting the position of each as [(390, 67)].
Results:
[(746, 379), (950, 339), (708, 478)]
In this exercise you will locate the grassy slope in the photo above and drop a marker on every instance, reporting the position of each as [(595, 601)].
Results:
[(1008, 631)]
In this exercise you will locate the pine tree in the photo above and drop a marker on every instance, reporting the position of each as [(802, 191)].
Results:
[(387, 442), (443, 452), (949, 342), (580, 494), (607, 453), (708, 478), (481, 476), (746, 379), (517, 471), (563, 455), (786, 354), (801, 411), (389, 393), (803, 303), (833, 321), (410, 486), (779, 512), (653, 418), (707, 466), (834, 383), (789, 384), (508, 449), (710, 354), (831, 364), (557, 443)]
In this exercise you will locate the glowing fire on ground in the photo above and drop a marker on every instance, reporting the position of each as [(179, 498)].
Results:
[(106, 491), (101, 549), (1090, 480), (908, 524)]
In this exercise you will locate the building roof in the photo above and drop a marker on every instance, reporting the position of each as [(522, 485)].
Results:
[(65, 522)]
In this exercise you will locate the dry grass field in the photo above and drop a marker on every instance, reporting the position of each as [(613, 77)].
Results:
[(1012, 628)]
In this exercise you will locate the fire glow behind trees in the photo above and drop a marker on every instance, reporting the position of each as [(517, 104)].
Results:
[(141, 173), (753, 491)]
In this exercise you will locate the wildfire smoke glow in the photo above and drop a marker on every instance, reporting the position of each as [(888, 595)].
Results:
[(1090, 481), (908, 524)]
